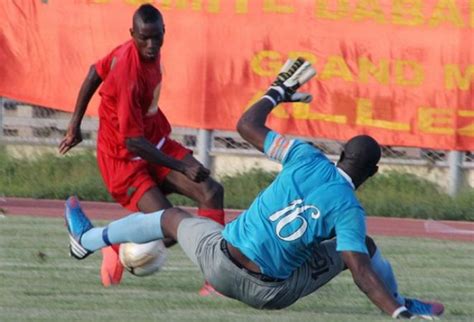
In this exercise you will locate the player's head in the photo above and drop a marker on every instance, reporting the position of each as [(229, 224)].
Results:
[(359, 158), (148, 31)]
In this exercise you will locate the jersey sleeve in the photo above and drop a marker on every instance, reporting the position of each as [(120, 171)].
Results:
[(351, 231), (286, 151), (104, 65)]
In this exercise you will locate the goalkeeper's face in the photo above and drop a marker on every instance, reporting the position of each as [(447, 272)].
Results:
[(148, 38)]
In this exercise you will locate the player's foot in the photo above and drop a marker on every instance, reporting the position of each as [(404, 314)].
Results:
[(111, 270), (77, 224), (425, 309), (208, 290)]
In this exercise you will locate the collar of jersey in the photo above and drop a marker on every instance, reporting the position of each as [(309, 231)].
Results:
[(346, 176)]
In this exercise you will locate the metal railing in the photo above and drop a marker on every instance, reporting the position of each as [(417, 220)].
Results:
[(33, 125)]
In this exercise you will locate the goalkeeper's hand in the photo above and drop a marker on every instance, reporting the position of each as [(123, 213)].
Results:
[(292, 76)]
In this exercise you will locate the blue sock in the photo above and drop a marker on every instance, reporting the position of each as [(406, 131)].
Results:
[(384, 271), (136, 228)]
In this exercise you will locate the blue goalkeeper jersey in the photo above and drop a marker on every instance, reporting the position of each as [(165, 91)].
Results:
[(310, 200)]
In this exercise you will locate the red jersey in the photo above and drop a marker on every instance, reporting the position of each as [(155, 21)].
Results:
[(129, 104)]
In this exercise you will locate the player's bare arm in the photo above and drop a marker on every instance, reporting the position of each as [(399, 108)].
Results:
[(369, 283), (251, 125), (73, 135), (147, 151)]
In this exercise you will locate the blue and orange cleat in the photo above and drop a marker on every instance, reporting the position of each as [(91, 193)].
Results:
[(425, 309), (77, 224), (111, 270), (208, 290)]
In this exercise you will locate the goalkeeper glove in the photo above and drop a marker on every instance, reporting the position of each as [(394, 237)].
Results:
[(292, 76)]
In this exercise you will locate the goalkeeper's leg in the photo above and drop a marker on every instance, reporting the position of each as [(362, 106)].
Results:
[(382, 267), (137, 228)]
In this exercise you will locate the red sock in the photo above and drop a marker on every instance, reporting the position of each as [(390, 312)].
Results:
[(215, 214), (112, 269)]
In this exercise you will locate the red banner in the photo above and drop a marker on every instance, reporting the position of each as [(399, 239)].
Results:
[(400, 70)]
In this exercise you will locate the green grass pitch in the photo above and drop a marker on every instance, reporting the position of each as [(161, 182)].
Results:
[(40, 282)]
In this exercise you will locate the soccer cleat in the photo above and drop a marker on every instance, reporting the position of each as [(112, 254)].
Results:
[(111, 269), (77, 224), (424, 309), (208, 290)]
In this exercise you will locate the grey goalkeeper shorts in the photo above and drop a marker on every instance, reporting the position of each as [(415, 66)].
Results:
[(201, 238)]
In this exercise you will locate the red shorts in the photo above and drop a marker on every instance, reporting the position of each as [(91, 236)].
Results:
[(128, 180)]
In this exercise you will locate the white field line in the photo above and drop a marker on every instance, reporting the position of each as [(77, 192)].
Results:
[(432, 226)]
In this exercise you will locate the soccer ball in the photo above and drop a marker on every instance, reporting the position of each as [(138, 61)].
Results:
[(143, 259)]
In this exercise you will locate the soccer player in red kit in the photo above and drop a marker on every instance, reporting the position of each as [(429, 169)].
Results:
[(138, 161)]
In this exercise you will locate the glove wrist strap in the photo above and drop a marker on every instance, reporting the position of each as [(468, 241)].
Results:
[(268, 97), (275, 94)]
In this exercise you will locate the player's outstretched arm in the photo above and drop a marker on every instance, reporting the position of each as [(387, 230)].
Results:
[(293, 74), (369, 283), (73, 135)]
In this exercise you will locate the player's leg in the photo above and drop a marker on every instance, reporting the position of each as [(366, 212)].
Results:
[(137, 228), (200, 240), (148, 201), (327, 263), (209, 194), (153, 200), (384, 270), (130, 184)]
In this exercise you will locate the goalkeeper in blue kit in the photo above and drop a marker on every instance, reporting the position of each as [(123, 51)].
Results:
[(303, 230)]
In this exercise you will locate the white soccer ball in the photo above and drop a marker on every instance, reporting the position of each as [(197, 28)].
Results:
[(143, 259)]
